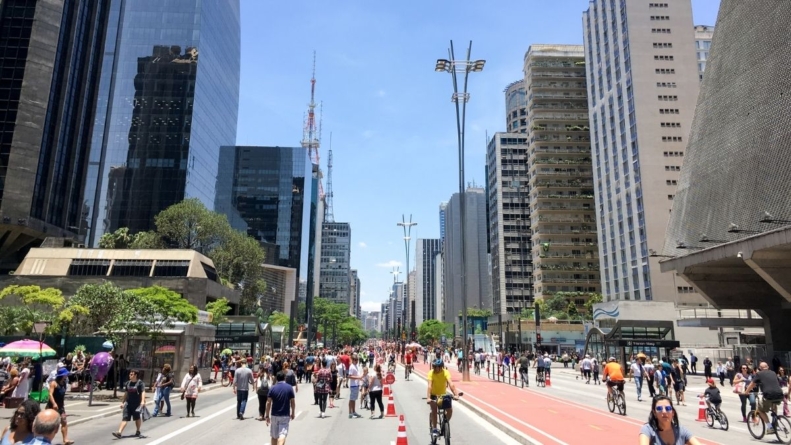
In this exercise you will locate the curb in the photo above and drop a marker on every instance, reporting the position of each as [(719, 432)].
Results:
[(497, 423), (115, 412)]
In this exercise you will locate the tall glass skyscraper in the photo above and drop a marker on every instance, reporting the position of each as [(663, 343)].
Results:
[(168, 100), (268, 191)]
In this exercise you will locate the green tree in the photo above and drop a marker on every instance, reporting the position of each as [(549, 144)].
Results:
[(120, 239), (475, 312), (278, 318), (571, 310), (190, 225), (37, 304), (12, 320), (218, 309), (147, 240), (590, 301), (104, 302), (431, 331), (554, 306), (161, 307)]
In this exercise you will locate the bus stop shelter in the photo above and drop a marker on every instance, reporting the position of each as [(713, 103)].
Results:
[(627, 337)]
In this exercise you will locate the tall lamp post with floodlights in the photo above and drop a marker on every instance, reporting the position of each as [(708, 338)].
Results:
[(465, 67), (407, 237)]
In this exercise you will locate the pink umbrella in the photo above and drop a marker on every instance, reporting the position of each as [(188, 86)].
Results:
[(28, 348)]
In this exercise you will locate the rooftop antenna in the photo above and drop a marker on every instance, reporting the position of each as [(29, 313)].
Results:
[(311, 136)]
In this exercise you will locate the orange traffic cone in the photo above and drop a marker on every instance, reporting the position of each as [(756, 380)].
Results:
[(390, 407), (701, 410), (387, 391), (402, 439), (548, 382)]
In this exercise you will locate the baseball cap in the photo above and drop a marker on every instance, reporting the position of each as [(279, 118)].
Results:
[(709, 381)]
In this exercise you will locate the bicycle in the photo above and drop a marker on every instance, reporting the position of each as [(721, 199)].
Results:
[(781, 425), (226, 378), (616, 399), (714, 414), (391, 367), (540, 382), (460, 363), (477, 368), (407, 371), (442, 422), (525, 378)]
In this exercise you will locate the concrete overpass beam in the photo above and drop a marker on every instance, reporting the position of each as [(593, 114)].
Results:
[(775, 271)]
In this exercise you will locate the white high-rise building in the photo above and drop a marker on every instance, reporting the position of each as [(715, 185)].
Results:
[(703, 36), (642, 80)]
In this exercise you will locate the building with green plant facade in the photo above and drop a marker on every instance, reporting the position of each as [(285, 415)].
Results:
[(562, 214)]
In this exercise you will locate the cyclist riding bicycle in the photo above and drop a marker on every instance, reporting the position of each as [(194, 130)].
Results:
[(524, 364), (547, 366), (767, 382), (712, 395), (613, 376), (408, 359), (539, 366), (438, 382)]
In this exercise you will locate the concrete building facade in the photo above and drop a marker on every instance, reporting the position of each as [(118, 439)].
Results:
[(425, 279), (184, 271), (335, 273), (508, 209), (477, 287), (562, 214), (642, 81)]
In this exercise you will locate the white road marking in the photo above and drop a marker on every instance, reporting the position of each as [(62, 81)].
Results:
[(199, 422)]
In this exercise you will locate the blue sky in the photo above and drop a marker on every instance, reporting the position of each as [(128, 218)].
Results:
[(390, 115)]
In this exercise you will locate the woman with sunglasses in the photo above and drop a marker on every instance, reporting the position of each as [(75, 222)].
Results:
[(741, 380), (21, 428), (663, 427)]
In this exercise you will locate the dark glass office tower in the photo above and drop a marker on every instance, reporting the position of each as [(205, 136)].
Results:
[(168, 100), (50, 60), (270, 190)]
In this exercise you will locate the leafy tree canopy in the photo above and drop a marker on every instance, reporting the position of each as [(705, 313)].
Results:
[(431, 331), (218, 309), (32, 304), (278, 318)]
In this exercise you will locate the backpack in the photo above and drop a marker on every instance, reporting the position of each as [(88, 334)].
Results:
[(263, 387), (291, 379)]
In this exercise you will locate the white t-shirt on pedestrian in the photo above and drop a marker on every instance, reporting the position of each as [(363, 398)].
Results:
[(353, 372), (635, 368), (586, 364)]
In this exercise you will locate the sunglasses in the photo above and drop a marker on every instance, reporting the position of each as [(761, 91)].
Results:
[(667, 409)]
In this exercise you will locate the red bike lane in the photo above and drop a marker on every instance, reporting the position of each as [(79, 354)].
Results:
[(544, 418)]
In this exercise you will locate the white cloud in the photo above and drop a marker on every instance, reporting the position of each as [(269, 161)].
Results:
[(390, 264), (370, 306), (362, 244)]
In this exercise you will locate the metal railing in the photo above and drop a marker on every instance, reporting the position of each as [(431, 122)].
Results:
[(717, 313)]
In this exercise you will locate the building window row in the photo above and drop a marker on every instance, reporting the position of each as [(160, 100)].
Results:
[(671, 182), (667, 98), (660, 30), (666, 84), (670, 197), (673, 168), (685, 290), (657, 5), (670, 124), (668, 111), (660, 17), (671, 139), (665, 71), (663, 58), (663, 45), (673, 153)]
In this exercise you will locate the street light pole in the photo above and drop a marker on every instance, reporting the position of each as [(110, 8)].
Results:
[(407, 237), (465, 67)]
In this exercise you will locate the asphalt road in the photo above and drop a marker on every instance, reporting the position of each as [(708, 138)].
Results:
[(217, 423)]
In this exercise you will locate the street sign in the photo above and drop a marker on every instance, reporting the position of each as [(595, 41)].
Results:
[(444, 340), (390, 378)]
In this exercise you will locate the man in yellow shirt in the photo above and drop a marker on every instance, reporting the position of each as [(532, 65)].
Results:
[(438, 382), (614, 371)]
